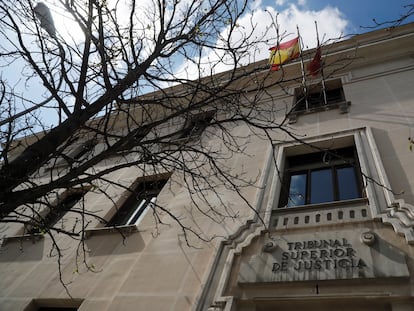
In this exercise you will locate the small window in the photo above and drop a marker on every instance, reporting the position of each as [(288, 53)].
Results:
[(321, 177), (320, 97), (137, 136), (86, 148), (144, 194), (64, 204), (196, 125), (54, 305), (73, 152)]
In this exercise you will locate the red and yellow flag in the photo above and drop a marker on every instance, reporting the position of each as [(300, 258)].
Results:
[(283, 53)]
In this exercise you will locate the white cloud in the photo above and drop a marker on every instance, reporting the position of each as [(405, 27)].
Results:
[(331, 24)]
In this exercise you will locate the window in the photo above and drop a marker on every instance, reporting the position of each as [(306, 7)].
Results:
[(54, 305), (321, 177), (137, 136), (87, 147), (144, 194), (73, 152), (196, 125), (316, 98), (64, 204)]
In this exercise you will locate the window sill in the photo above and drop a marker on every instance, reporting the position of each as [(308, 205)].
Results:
[(342, 106), (124, 229), (325, 205)]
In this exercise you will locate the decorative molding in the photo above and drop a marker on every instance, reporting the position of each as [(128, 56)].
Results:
[(369, 238), (220, 269), (382, 206), (398, 213)]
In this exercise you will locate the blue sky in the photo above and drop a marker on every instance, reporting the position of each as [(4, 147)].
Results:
[(361, 12), (357, 12), (335, 18)]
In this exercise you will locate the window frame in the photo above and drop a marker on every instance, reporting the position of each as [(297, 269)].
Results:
[(294, 169), (139, 134), (81, 151), (333, 101), (136, 204), (55, 213), (195, 125)]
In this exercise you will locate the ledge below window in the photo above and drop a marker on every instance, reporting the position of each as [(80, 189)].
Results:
[(126, 229), (330, 213), (342, 106), (322, 205)]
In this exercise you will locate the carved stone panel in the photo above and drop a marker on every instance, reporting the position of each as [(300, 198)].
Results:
[(324, 256)]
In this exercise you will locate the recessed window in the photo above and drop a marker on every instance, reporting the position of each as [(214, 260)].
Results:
[(317, 97), (143, 194), (56, 212), (321, 177), (86, 148), (74, 152), (196, 125), (137, 136)]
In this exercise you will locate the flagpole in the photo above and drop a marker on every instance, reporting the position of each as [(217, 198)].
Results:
[(278, 42), (274, 54), (302, 67), (325, 100)]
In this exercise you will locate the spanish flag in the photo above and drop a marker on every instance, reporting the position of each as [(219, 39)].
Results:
[(283, 53)]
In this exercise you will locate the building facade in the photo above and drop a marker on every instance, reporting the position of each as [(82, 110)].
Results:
[(332, 219)]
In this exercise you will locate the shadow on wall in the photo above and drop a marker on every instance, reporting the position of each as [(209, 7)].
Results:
[(396, 173), (32, 248), (114, 243), (26, 248)]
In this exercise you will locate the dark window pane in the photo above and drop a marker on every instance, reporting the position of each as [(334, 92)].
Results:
[(297, 190), (84, 149), (321, 186), (321, 177), (65, 205), (130, 211), (334, 96), (196, 126), (57, 212), (347, 183), (314, 96)]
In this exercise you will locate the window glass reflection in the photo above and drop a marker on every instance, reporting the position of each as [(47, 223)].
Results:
[(321, 186), (347, 183), (297, 190), (315, 178)]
